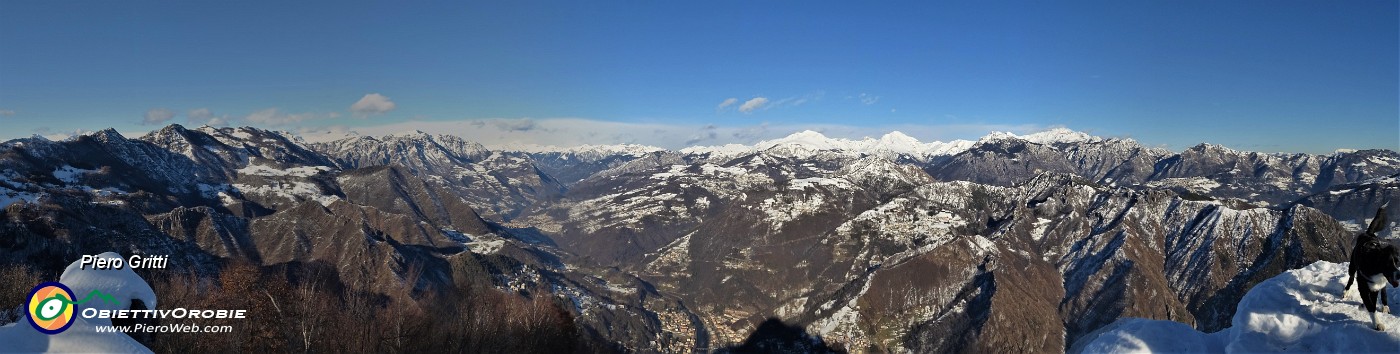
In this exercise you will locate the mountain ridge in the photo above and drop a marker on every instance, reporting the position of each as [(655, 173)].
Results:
[(662, 250)]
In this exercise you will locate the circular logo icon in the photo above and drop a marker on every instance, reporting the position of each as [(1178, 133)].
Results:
[(51, 307)]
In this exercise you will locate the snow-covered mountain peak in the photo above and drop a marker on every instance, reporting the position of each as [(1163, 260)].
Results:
[(1206, 146), (173, 131), (107, 135), (1048, 137), (585, 149), (807, 139), (450, 142), (1060, 135), (1203, 147), (726, 149), (897, 143), (173, 128), (898, 137), (419, 134), (423, 139), (891, 145), (328, 135), (996, 136), (894, 141)]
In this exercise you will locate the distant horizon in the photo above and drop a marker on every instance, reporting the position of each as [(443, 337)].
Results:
[(1296, 77), (768, 134)]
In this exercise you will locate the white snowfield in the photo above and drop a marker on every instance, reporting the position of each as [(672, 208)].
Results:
[(1299, 311), (806, 142), (123, 284)]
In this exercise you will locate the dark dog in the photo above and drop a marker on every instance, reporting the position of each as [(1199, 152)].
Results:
[(1378, 262)]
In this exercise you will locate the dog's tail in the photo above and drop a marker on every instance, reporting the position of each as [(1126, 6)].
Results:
[(1378, 223)]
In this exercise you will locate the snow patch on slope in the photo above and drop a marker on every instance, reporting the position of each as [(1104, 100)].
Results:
[(302, 171), (69, 174), (12, 191), (486, 247), (294, 191), (783, 208), (1200, 185), (8, 197), (804, 183), (1040, 226)]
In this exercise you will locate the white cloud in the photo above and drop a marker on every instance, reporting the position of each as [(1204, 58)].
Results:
[(203, 116), (157, 116), (372, 104), (791, 101), (199, 114), (868, 99), (272, 117), (500, 132), (727, 102), (796, 101), (763, 103), (753, 104), (516, 125), (7, 112)]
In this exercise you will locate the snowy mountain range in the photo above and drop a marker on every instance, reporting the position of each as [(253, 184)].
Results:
[(1007, 243)]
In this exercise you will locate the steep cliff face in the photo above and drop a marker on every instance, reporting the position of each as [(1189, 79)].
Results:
[(1008, 160), (1207, 170), (574, 164), (391, 189), (500, 184)]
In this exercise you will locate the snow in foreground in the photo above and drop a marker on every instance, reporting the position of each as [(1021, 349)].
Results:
[(124, 286), (1297, 311)]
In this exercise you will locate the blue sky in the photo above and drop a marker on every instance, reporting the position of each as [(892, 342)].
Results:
[(1297, 76)]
